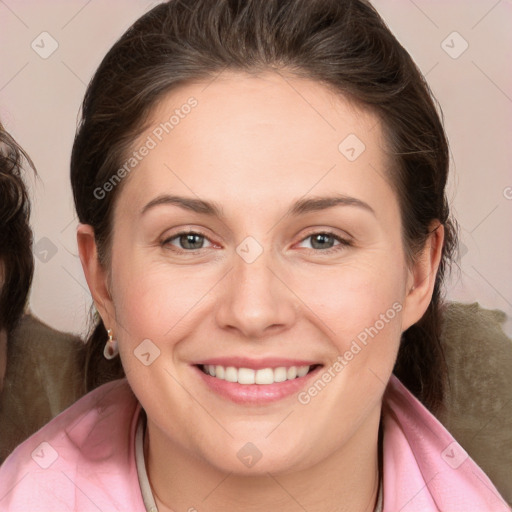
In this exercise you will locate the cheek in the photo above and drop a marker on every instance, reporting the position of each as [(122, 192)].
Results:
[(363, 317), (141, 292), (151, 300), (351, 297), (360, 304)]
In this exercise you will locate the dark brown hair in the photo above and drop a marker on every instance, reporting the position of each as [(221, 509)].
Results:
[(343, 44), (15, 233)]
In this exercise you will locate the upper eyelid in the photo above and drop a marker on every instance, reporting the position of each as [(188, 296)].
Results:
[(332, 232), (183, 233)]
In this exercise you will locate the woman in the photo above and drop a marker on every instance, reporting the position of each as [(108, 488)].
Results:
[(16, 261), (264, 230), (41, 369)]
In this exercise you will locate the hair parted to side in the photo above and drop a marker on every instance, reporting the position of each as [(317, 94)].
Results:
[(16, 260), (343, 44)]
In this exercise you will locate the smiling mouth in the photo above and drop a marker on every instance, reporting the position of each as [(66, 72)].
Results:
[(263, 376)]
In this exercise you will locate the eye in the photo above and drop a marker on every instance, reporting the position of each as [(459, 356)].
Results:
[(188, 241), (325, 241)]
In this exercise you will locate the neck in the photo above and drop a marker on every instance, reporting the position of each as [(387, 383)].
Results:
[(3, 357), (348, 480)]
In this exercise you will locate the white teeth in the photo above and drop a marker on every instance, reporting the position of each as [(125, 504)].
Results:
[(246, 376), (291, 373), (264, 376), (219, 371), (249, 376), (280, 374), (231, 374), (302, 371)]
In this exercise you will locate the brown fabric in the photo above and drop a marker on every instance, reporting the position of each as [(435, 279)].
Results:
[(44, 376), (478, 402)]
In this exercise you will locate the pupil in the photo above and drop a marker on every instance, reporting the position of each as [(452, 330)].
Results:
[(189, 240), (321, 238)]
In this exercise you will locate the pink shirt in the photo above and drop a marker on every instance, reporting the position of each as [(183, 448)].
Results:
[(84, 460)]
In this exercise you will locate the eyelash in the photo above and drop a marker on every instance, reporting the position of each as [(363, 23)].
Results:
[(343, 243)]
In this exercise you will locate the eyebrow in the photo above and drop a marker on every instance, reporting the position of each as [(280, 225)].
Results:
[(300, 207)]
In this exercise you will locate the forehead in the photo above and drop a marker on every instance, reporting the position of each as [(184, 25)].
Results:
[(258, 138)]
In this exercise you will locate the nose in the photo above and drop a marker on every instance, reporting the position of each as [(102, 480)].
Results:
[(255, 299)]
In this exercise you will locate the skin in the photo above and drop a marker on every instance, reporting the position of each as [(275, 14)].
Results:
[(255, 145)]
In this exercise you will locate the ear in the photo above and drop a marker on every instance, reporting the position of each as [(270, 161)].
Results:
[(422, 276), (95, 274)]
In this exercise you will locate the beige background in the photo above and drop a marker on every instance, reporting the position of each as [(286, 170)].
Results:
[(40, 99)]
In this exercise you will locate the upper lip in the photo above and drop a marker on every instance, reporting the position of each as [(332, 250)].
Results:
[(256, 364)]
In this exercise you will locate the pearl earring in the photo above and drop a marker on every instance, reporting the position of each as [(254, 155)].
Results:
[(111, 349)]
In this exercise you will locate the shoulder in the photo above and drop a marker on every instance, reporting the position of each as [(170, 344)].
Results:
[(471, 335), (54, 358), (83, 457), (478, 394), (54, 352), (469, 327), (424, 467), (44, 376)]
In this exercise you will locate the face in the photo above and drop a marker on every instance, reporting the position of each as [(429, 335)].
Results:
[(293, 262)]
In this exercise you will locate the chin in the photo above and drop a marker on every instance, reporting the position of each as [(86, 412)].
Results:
[(255, 463), (258, 457)]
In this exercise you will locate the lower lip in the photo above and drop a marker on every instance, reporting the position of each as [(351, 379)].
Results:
[(256, 393)]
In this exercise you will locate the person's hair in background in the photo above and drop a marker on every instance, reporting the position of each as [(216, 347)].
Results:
[(40, 368), (16, 260), (344, 45)]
